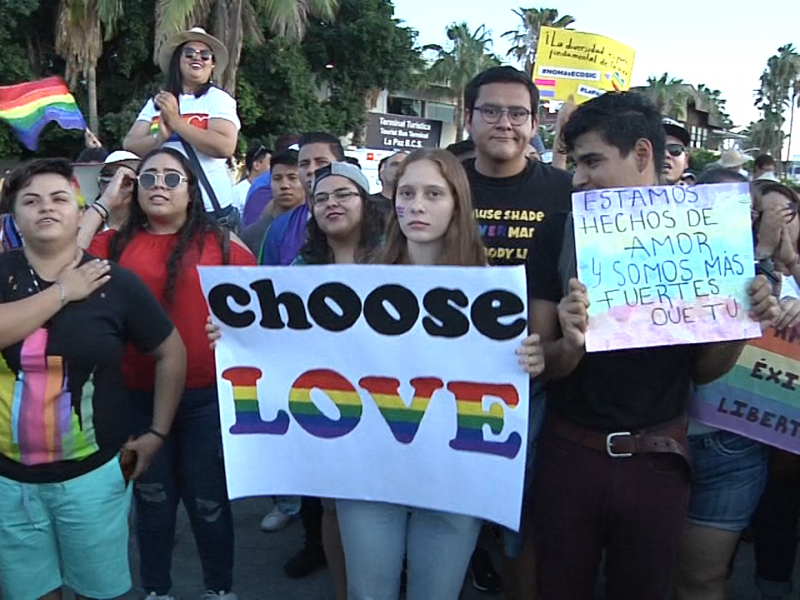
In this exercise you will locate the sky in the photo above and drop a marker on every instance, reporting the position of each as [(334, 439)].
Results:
[(704, 41)]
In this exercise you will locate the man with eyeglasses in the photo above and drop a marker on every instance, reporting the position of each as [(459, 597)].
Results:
[(512, 195), (676, 158)]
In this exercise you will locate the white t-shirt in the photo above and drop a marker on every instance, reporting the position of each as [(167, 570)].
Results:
[(214, 104), (240, 193)]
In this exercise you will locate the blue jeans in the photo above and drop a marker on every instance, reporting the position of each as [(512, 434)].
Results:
[(728, 478), (189, 467), (377, 536)]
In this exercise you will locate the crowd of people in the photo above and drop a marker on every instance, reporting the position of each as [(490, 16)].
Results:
[(118, 404)]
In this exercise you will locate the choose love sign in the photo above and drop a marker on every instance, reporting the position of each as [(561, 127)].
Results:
[(393, 384), (665, 265)]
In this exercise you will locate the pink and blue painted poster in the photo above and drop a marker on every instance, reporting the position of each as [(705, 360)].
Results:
[(665, 265)]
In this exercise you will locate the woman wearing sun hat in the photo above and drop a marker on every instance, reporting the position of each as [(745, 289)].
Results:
[(193, 116)]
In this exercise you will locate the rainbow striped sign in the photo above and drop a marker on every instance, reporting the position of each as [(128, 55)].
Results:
[(760, 397), (394, 384)]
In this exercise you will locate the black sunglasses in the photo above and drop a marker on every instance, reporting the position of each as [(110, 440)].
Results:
[(675, 150), (205, 55)]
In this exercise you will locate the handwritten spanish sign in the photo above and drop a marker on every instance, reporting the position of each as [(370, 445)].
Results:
[(665, 265), (394, 384), (760, 397), (582, 65)]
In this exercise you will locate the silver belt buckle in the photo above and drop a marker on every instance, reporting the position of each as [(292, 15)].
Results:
[(610, 441)]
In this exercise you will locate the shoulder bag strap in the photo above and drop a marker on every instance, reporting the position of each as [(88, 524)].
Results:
[(201, 174)]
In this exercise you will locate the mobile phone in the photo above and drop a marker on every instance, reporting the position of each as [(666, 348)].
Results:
[(127, 463)]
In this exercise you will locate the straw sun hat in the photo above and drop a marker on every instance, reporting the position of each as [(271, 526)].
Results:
[(195, 34)]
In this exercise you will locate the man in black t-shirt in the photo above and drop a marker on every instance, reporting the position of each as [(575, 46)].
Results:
[(511, 194), (611, 472)]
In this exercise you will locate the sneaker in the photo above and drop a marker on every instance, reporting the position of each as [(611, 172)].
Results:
[(212, 595), (154, 596), (275, 520), (305, 562), (481, 570)]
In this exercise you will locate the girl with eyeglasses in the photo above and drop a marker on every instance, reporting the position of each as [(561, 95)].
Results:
[(193, 116), (167, 236), (432, 224)]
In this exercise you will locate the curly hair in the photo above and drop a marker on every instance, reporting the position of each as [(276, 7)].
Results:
[(462, 245), (193, 231), (316, 250)]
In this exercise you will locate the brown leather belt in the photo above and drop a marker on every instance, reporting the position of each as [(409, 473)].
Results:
[(669, 437)]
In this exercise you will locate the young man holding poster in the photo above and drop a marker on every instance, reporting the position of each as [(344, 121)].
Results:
[(612, 471)]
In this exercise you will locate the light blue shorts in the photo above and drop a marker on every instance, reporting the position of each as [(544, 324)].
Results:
[(73, 533)]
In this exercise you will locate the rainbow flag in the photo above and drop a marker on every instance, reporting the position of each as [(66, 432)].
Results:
[(28, 107)]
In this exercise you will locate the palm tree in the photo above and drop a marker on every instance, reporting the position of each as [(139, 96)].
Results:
[(777, 92), (765, 135), (715, 99), (233, 20), (668, 94), (525, 39), (470, 53), (79, 40)]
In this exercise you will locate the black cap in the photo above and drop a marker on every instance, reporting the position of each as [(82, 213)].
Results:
[(676, 130)]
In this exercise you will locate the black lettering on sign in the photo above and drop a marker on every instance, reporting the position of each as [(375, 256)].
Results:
[(390, 309), (347, 301), (401, 299), (490, 307), (218, 301), (270, 307), (445, 320)]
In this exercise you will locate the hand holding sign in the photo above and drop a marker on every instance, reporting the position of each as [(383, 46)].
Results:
[(573, 314), (763, 305)]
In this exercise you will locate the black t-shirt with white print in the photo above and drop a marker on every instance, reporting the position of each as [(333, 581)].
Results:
[(508, 209)]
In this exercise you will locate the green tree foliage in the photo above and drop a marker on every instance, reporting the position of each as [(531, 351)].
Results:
[(778, 91), (364, 51), (525, 38), (468, 54), (700, 158), (716, 100), (667, 94), (282, 86)]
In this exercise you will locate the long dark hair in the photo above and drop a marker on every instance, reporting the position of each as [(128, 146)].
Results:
[(198, 223), (174, 83), (316, 250)]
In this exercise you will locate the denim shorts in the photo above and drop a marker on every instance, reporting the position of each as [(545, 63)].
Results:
[(73, 533), (512, 540), (730, 472)]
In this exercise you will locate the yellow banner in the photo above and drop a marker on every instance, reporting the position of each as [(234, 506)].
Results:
[(583, 65)]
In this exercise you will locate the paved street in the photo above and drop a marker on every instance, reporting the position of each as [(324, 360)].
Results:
[(260, 557)]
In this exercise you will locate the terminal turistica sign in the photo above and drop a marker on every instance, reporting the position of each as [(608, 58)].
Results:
[(399, 132)]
